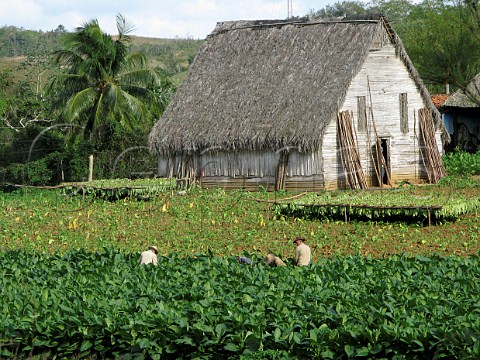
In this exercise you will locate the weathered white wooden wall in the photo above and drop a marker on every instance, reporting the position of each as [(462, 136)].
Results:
[(225, 164), (388, 78)]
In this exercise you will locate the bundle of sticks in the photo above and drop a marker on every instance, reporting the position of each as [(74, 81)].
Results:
[(349, 152), (432, 160)]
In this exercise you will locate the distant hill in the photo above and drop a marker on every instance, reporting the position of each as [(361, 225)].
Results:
[(172, 57), (25, 54)]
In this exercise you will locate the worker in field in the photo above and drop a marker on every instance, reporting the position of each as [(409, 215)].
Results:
[(273, 260), (149, 256), (303, 254), (244, 260)]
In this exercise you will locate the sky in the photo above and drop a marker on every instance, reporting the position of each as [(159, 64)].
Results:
[(150, 18)]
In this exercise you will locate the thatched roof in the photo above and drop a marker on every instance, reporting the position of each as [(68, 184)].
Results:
[(268, 84), (470, 98)]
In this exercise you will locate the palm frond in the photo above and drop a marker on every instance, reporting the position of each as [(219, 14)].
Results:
[(139, 77), (61, 87), (102, 83), (123, 26), (79, 104), (136, 59), (136, 113), (98, 113)]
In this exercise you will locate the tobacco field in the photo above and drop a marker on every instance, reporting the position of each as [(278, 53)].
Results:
[(104, 305), (71, 286)]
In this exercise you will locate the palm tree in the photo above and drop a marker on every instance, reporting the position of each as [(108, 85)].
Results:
[(102, 85)]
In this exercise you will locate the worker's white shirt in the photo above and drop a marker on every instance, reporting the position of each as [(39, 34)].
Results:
[(302, 255), (148, 257)]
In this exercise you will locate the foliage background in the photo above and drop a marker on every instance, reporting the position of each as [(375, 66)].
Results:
[(25, 66)]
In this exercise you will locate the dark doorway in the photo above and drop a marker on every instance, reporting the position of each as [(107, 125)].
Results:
[(385, 164)]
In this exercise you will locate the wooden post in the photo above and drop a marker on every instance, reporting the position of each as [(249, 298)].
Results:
[(90, 168), (281, 170), (350, 157)]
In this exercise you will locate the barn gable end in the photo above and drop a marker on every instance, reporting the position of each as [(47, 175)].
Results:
[(384, 84)]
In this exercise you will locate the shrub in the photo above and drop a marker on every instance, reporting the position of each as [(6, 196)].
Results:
[(33, 173), (461, 163)]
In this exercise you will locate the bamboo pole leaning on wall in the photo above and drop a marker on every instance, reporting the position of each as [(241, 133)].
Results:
[(434, 163), (420, 149), (349, 152), (281, 170), (370, 151)]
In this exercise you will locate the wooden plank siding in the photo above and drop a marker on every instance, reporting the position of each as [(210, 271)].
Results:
[(249, 170), (293, 184), (388, 77)]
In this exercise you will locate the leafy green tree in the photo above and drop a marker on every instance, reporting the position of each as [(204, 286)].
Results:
[(439, 40), (23, 116), (340, 9), (20, 109), (103, 85), (396, 11), (442, 37)]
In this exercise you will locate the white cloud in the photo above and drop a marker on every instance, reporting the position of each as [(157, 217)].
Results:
[(159, 18), (28, 10)]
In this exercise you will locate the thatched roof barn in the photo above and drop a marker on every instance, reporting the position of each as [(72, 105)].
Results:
[(260, 102)]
